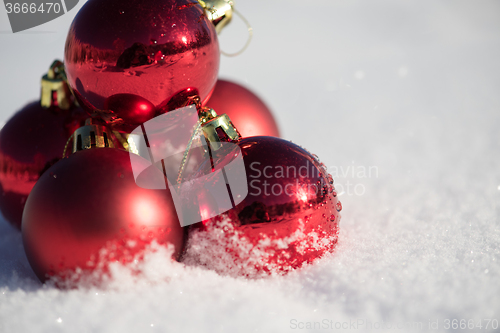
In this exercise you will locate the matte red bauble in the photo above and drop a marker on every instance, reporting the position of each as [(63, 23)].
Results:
[(30, 142), (247, 111), (156, 50), (289, 217), (87, 211)]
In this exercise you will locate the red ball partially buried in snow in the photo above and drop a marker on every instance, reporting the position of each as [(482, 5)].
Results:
[(86, 211), (290, 216)]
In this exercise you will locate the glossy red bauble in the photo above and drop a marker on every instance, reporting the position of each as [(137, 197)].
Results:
[(30, 142), (132, 109), (289, 217), (248, 112), (87, 211), (156, 50)]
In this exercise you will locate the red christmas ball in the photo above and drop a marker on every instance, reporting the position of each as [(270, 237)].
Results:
[(156, 50), (132, 109), (30, 142), (87, 211), (289, 217), (248, 112)]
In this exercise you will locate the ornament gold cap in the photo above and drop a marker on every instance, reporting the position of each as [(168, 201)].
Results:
[(219, 129), (55, 90), (215, 128), (92, 136), (220, 12)]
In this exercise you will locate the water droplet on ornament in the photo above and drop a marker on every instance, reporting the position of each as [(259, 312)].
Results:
[(158, 56), (153, 41), (315, 157), (334, 194), (330, 179), (339, 206), (122, 12), (173, 25), (332, 218), (324, 215)]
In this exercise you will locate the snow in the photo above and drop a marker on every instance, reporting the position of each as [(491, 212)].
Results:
[(400, 100), (267, 256)]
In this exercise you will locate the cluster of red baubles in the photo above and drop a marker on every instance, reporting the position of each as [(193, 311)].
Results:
[(137, 60)]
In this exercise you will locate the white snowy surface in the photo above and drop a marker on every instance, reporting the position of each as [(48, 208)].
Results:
[(408, 88)]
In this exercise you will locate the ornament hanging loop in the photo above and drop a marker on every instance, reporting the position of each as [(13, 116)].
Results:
[(250, 35), (220, 13)]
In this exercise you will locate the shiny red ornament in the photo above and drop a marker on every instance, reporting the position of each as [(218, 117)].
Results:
[(86, 211), (132, 109), (289, 217), (157, 50), (30, 142), (247, 111)]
